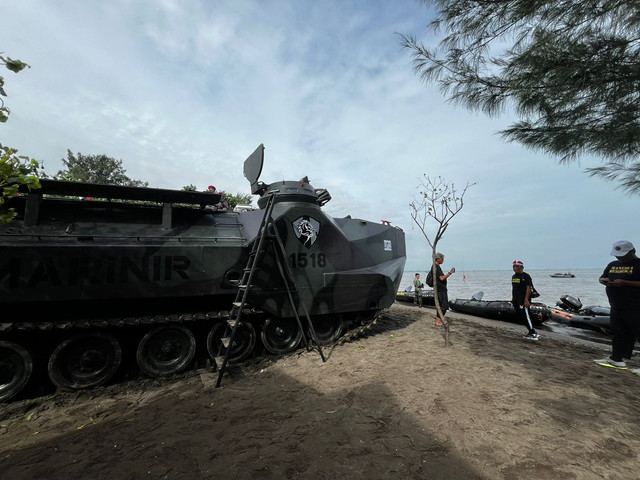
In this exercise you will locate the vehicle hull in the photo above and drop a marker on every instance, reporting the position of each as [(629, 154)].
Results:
[(152, 274)]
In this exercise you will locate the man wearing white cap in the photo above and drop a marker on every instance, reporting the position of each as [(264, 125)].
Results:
[(521, 288), (622, 279)]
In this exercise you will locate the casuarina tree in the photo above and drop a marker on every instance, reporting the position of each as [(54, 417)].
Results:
[(569, 70), (432, 211)]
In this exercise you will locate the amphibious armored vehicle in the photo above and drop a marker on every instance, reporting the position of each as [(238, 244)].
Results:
[(93, 277)]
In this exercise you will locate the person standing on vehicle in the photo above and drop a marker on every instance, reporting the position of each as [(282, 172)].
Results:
[(441, 281), (417, 290), (222, 205), (521, 288), (622, 280)]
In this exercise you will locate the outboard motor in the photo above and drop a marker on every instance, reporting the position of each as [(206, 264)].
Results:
[(567, 302)]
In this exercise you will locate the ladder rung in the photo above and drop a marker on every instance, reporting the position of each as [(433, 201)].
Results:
[(267, 231)]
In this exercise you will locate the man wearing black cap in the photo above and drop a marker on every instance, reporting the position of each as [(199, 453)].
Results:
[(521, 288), (622, 279)]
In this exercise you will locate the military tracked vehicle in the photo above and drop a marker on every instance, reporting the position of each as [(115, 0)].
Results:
[(94, 278)]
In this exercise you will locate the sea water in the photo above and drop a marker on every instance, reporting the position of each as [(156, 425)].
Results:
[(496, 285)]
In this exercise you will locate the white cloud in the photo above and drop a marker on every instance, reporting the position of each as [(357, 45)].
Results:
[(183, 92)]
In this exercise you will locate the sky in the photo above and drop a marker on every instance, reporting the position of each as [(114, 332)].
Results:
[(183, 91)]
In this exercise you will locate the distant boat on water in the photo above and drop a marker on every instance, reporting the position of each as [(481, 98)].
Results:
[(562, 275)]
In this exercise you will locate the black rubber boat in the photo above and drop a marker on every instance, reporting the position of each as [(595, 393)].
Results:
[(572, 313), (497, 309), (408, 294)]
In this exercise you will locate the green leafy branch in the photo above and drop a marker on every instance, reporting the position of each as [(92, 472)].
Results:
[(15, 66), (15, 170)]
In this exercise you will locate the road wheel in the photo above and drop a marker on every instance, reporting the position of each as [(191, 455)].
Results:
[(243, 341), (280, 335), (166, 350), (327, 328), (84, 361), (16, 367)]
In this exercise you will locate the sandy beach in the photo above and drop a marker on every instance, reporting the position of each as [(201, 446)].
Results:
[(394, 403)]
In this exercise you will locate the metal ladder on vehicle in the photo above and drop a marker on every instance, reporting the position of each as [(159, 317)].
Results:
[(267, 231)]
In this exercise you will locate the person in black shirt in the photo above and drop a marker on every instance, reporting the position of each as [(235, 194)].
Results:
[(441, 278), (521, 288), (622, 280)]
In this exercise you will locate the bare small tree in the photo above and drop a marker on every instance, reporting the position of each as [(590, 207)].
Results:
[(438, 202)]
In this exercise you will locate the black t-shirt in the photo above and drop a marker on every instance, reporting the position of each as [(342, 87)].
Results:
[(625, 297), (442, 284), (519, 283)]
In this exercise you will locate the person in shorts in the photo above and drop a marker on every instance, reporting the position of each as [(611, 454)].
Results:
[(441, 280)]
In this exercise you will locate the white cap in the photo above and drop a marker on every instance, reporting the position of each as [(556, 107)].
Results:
[(621, 248)]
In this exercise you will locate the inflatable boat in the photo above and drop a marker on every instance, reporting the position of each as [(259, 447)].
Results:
[(408, 294), (497, 309), (571, 312)]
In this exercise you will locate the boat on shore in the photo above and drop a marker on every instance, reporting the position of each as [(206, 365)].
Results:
[(498, 309), (408, 295), (571, 312), (563, 275)]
